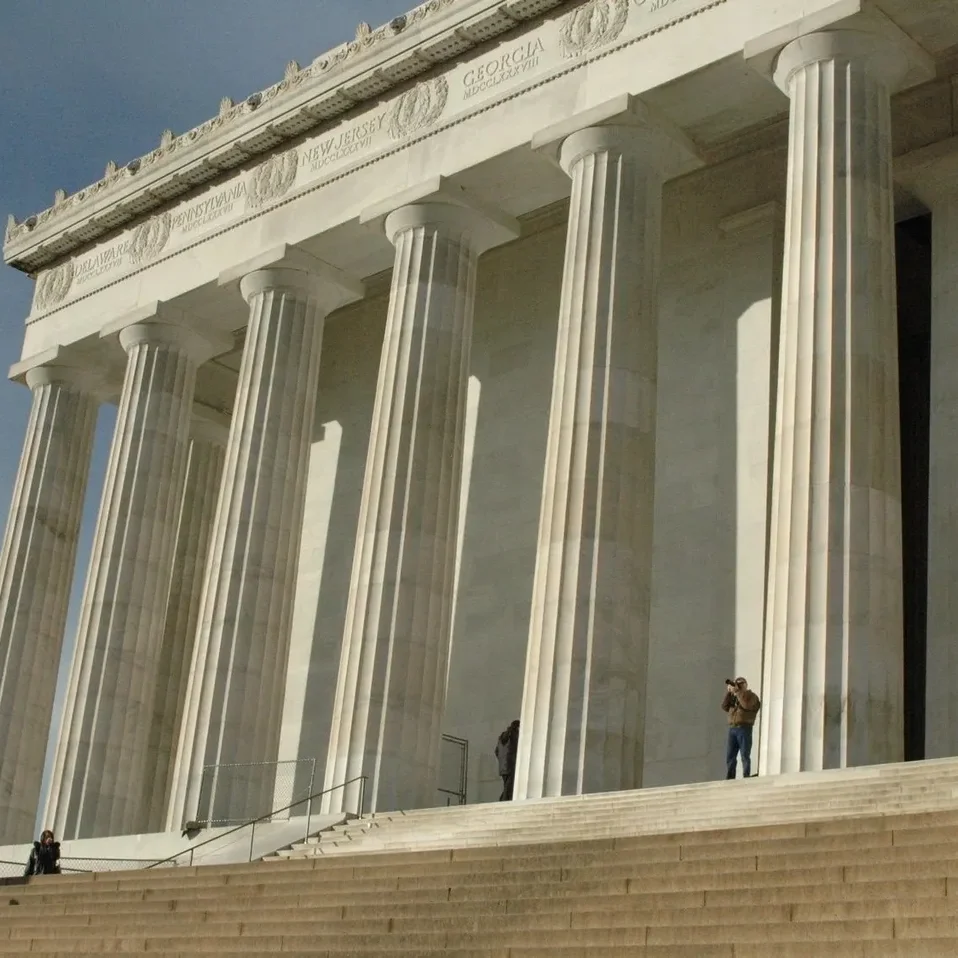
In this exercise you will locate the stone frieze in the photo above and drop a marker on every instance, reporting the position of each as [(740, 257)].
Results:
[(499, 73), (230, 114)]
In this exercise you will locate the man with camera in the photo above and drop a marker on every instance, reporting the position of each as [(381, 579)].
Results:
[(742, 706)]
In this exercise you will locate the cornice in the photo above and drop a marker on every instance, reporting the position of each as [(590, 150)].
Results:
[(334, 84)]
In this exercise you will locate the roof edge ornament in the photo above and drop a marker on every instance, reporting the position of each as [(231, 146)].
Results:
[(323, 66)]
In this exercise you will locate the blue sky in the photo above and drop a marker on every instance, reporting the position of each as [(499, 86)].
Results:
[(87, 81)]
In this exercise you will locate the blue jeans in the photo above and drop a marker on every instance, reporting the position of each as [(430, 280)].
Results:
[(739, 740)]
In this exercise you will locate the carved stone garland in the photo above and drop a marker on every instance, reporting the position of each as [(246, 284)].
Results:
[(272, 179), (593, 25), (150, 238), (418, 108), (53, 286)]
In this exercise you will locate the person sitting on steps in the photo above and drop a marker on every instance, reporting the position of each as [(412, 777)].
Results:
[(45, 856), (742, 706)]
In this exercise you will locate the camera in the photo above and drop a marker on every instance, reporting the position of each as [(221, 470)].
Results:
[(730, 682)]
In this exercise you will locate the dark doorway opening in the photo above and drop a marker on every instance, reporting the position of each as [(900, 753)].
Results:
[(913, 247)]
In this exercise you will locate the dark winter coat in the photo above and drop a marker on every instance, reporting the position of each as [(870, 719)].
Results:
[(742, 707), (44, 859), (506, 750)]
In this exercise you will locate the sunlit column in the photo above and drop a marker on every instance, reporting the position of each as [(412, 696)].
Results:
[(36, 575)]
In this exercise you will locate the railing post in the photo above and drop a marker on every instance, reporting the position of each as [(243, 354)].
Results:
[(252, 823), (214, 781), (309, 801)]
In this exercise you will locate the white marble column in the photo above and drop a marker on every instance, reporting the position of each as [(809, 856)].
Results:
[(234, 702), (100, 775), (832, 682), (583, 708), (391, 687), (36, 574), (204, 473)]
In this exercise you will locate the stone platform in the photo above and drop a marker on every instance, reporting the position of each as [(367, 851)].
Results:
[(850, 864), (793, 799)]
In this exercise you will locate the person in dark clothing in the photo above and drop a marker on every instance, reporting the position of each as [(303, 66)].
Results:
[(742, 706), (506, 750), (45, 856)]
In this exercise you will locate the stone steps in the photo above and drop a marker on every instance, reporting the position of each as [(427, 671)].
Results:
[(819, 796), (625, 912), (870, 871)]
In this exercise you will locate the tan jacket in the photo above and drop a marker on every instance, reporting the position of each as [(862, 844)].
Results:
[(742, 707)]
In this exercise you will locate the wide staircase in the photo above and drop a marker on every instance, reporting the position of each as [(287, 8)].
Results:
[(850, 864)]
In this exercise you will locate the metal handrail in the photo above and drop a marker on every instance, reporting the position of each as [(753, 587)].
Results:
[(224, 766), (100, 858), (461, 793), (253, 822)]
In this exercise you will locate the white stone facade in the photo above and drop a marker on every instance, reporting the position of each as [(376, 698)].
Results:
[(541, 363)]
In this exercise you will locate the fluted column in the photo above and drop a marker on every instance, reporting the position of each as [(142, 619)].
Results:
[(204, 473), (391, 686), (833, 648), (235, 697), (101, 766), (583, 707), (36, 574)]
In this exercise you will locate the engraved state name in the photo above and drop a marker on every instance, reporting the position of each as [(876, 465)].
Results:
[(101, 263), (498, 69), (208, 210), (349, 141), (650, 6)]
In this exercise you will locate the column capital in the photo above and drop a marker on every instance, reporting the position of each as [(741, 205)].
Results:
[(162, 324), (625, 124), (291, 269), (643, 143), (444, 205), (883, 59), (57, 365), (323, 289), (852, 33), (190, 341), (78, 379)]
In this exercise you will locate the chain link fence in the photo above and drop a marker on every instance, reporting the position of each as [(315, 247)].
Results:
[(242, 791), (12, 869), (78, 866)]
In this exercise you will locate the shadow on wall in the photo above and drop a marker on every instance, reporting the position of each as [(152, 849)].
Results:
[(512, 356), (352, 344), (715, 412)]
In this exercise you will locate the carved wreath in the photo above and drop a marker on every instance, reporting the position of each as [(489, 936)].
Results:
[(594, 24), (150, 238), (418, 108), (53, 286), (270, 180)]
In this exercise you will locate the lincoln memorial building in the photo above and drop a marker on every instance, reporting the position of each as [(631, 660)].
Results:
[(540, 359)]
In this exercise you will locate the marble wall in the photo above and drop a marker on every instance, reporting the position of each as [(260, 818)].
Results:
[(716, 336), (941, 703)]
